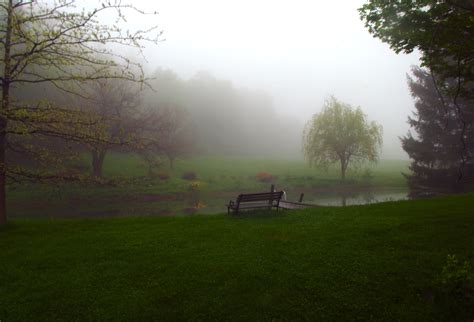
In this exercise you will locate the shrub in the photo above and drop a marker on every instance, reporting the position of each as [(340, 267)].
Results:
[(163, 175), (456, 277), (264, 177), (195, 186), (455, 287), (189, 175)]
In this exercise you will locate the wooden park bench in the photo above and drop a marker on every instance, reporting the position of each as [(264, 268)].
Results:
[(247, 201)]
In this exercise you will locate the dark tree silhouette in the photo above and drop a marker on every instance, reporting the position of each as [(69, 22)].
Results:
[(435, 150)]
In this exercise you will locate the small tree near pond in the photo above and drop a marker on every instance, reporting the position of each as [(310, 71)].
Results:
[(341, 133)]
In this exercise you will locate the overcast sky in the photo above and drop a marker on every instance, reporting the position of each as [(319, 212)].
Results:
[(300, 52)]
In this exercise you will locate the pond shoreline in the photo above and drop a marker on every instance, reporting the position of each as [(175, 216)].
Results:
[(185, 203)]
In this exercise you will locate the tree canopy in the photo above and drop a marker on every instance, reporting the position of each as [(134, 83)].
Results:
[(341, 133), (442, 31)]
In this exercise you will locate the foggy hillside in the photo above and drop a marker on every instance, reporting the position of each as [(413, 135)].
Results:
[(228, 120)]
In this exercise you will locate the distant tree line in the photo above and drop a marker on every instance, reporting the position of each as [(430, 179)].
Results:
[(166, 119), (227, 119)]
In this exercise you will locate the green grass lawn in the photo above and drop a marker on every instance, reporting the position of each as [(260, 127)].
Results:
[(224, 171), (378, 262)]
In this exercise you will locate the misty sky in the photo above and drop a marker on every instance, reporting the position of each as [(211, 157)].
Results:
[(300, 52)]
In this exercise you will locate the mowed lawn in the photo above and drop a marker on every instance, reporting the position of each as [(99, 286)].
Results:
[(377, 262)]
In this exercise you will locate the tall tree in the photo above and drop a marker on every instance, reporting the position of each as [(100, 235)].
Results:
[(50, 42), (435, 149), (442, 31), (341, 134)]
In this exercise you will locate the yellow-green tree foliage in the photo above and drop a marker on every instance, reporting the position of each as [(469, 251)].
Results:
[(341, 133)]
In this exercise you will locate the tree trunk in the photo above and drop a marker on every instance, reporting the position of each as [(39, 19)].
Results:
[(150, 170), (98, 156), (343, 169), (343, 200), (3, 208), (171, 159), (3, 119)]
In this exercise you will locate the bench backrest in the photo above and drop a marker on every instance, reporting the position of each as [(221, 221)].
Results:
[(263, 196)]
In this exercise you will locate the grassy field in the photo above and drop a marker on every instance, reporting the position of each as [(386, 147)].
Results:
[(223, 172), (378, 262)]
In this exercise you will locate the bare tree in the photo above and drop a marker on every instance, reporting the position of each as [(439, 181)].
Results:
[(165, 132), (118, 103), (178, 137)]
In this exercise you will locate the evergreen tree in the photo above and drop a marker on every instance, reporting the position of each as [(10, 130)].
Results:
[(441, 161)]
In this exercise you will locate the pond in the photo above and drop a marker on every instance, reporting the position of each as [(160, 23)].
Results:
[(180, 204), (359, 198)]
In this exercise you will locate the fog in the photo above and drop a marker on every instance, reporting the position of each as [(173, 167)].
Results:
[(299, 52)]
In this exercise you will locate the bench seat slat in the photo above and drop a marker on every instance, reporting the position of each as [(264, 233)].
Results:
[(252, 205), (260, 196), (258, 199)]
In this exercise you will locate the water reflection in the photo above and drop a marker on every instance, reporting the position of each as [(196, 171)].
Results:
[(351, 198)]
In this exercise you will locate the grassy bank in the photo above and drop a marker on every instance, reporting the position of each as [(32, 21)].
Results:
[(377, 262)]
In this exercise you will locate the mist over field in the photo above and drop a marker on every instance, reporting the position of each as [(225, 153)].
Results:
[(267, 160), (295, 53)]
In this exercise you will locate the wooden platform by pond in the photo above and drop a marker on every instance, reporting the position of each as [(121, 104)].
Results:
[(284, 204)]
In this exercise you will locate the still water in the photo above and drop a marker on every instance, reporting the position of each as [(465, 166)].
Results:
[(347, 199)]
